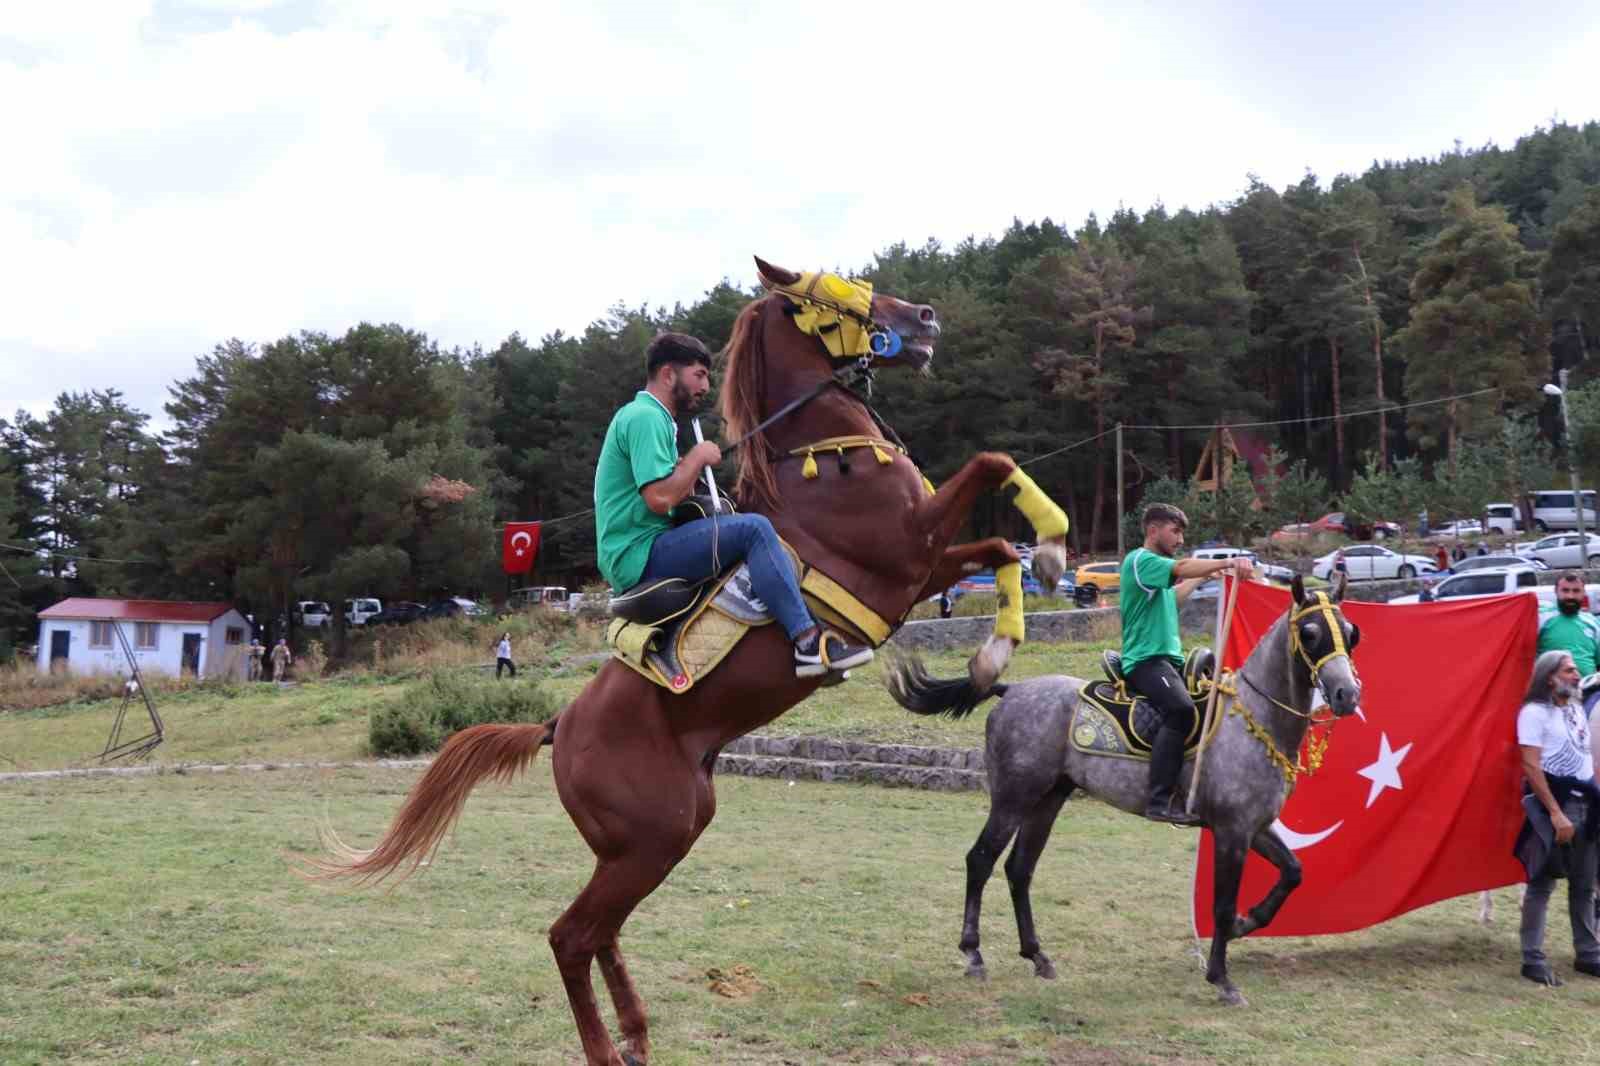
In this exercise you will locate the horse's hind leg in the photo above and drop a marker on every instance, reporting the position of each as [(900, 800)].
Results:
[(1004, 817), (1031, 841), (1267, 844)]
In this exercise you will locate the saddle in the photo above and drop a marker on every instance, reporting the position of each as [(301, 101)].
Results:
[(675, 632), (1111, 720)]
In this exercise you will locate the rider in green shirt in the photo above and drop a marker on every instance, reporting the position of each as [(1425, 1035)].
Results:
[(639, 479), (1568, 627), (1151, 587)]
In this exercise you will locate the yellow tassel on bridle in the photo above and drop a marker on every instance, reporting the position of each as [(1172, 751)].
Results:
[(808, 469)]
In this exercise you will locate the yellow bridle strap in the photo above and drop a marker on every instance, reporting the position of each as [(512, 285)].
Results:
[(1047, 519), (880, 451), (1321, 605)]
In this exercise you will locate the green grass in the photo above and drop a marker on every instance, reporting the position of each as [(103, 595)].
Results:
[(326, 721), (153, 920)]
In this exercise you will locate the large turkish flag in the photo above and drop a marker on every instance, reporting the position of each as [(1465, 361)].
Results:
[(1417, 799), (518, 545)]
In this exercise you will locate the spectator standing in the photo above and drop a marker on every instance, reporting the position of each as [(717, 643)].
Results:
[(502, 656), (1558, 764), (281, 659), (947, 606), (1568, 627), (1339, 565), (257, 650), (1441, 557)]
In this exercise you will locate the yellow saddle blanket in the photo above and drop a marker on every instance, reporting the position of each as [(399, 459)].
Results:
[(679, 653)]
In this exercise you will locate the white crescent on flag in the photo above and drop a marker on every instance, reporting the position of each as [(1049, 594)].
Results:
[(1296, 841), (524, 541)]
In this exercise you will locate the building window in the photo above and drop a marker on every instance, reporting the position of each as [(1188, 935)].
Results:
[(235, 635), (144, 635), (99, 634)]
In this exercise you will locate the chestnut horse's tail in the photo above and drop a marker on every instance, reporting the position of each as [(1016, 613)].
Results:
[(911, 686), (499, 751)]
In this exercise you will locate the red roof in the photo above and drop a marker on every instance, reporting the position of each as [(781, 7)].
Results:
[(136, 610)]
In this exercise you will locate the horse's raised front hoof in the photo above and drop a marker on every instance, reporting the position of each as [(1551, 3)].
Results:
[(986, 667), (1049, 563), (1043, 967), (975, 968)]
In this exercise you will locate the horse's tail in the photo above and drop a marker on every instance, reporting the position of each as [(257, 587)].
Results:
[(434, 803), (909, 684)]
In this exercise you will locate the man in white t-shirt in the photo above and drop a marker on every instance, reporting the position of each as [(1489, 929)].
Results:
[(1558, 761)]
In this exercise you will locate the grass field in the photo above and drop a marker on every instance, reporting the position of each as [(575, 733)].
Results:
[(326, 721), (153, 920)]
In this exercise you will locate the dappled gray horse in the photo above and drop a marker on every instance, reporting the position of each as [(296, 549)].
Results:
[(1033, 767)]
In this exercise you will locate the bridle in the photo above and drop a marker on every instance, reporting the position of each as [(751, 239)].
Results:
[(1327, 612)]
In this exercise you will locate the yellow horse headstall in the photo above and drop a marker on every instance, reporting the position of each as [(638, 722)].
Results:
[(1320, 605), (838, 312)]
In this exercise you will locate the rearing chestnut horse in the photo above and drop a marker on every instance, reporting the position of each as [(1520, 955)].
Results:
[(633, 762)]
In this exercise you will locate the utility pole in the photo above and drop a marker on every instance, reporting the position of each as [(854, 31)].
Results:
[(1121, 510), (1572, 465)]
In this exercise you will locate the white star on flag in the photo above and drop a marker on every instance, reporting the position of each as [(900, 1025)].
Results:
[(1385, 773)]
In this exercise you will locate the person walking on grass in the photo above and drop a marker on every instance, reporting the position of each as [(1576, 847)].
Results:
[(281, 660), (502, 657)]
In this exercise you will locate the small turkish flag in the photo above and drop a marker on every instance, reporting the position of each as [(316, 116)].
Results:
[(518, 545), (1417, 799)]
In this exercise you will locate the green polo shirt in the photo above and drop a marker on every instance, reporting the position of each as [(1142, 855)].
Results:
[(1149, 609), (641, 446), (1578, 634)]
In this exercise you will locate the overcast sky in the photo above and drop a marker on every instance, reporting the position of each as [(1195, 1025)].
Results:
[(179, 172)]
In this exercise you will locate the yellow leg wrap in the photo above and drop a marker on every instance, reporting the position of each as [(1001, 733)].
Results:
[(1047, 519), (1008, 618)]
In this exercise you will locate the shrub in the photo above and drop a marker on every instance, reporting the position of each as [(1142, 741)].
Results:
[(447, 702)]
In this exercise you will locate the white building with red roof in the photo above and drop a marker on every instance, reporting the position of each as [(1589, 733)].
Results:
[(80, 636)]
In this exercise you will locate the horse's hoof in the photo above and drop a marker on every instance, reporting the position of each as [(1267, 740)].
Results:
[(1232, 997), (1043, 967), (629, 1060), (1049, 563), (975, 968)]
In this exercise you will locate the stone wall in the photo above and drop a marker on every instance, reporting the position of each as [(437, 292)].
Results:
[(1089, 625)]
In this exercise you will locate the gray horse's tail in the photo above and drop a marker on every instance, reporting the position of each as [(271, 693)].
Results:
[(911, 687)]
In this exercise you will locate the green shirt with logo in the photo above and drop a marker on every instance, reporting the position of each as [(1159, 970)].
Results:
[(1578, 634), (1149, 609), (641, 446)]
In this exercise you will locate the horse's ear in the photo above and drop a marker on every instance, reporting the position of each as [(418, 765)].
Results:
[(773, 276), (1298, 588)]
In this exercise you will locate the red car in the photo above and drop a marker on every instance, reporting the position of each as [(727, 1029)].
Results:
[(1334, 522)]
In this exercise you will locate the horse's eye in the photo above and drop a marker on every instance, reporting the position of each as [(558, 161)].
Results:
[(1355, 636)]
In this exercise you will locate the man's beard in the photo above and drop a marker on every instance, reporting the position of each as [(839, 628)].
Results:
[(684, 401), (1569, 606), (1564, 691)]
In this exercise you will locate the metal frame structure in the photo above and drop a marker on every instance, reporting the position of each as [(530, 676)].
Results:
[(116, 747)]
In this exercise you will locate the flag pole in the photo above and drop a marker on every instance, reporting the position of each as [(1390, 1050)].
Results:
[(1216, 685)]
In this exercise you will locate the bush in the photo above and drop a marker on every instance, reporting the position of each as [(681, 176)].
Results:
[(447, 702)]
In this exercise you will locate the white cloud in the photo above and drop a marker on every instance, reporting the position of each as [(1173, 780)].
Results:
[(185, 172)]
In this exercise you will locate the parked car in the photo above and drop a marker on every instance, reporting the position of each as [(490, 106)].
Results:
[(397, 613), (984, 582), (313, 614), (1222, 551), (553, 597), (1562, 551), (1104, 576), (1556, 510), (1502, 518), (1489, 562), (1334, 522), (1491, 582), (1466, 527), (1370, 562), (452, 606), (360, 611)]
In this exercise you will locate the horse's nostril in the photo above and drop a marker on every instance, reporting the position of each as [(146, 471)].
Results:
[(926, 315)]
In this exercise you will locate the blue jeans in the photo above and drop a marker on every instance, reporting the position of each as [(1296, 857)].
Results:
[(686, 552)]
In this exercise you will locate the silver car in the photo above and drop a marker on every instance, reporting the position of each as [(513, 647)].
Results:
[(1566, 551)]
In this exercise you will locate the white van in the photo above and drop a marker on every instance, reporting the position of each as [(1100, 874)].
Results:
[(313, 614), (1502, 518), (357, 611), (1555, 510)]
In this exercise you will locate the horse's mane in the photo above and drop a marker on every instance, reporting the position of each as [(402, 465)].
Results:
[(743, 385)]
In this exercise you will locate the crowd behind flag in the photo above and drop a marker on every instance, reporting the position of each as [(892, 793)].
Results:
[(1417, 799)]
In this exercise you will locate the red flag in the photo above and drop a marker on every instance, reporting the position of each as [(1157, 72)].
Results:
[(518, 545), (1417, 798)]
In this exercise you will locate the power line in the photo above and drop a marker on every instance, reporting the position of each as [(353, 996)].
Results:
[(1325, 418), (77, 558)]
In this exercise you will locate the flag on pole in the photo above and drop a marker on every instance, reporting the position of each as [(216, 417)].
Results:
[(1417, 798), (518, 545)]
